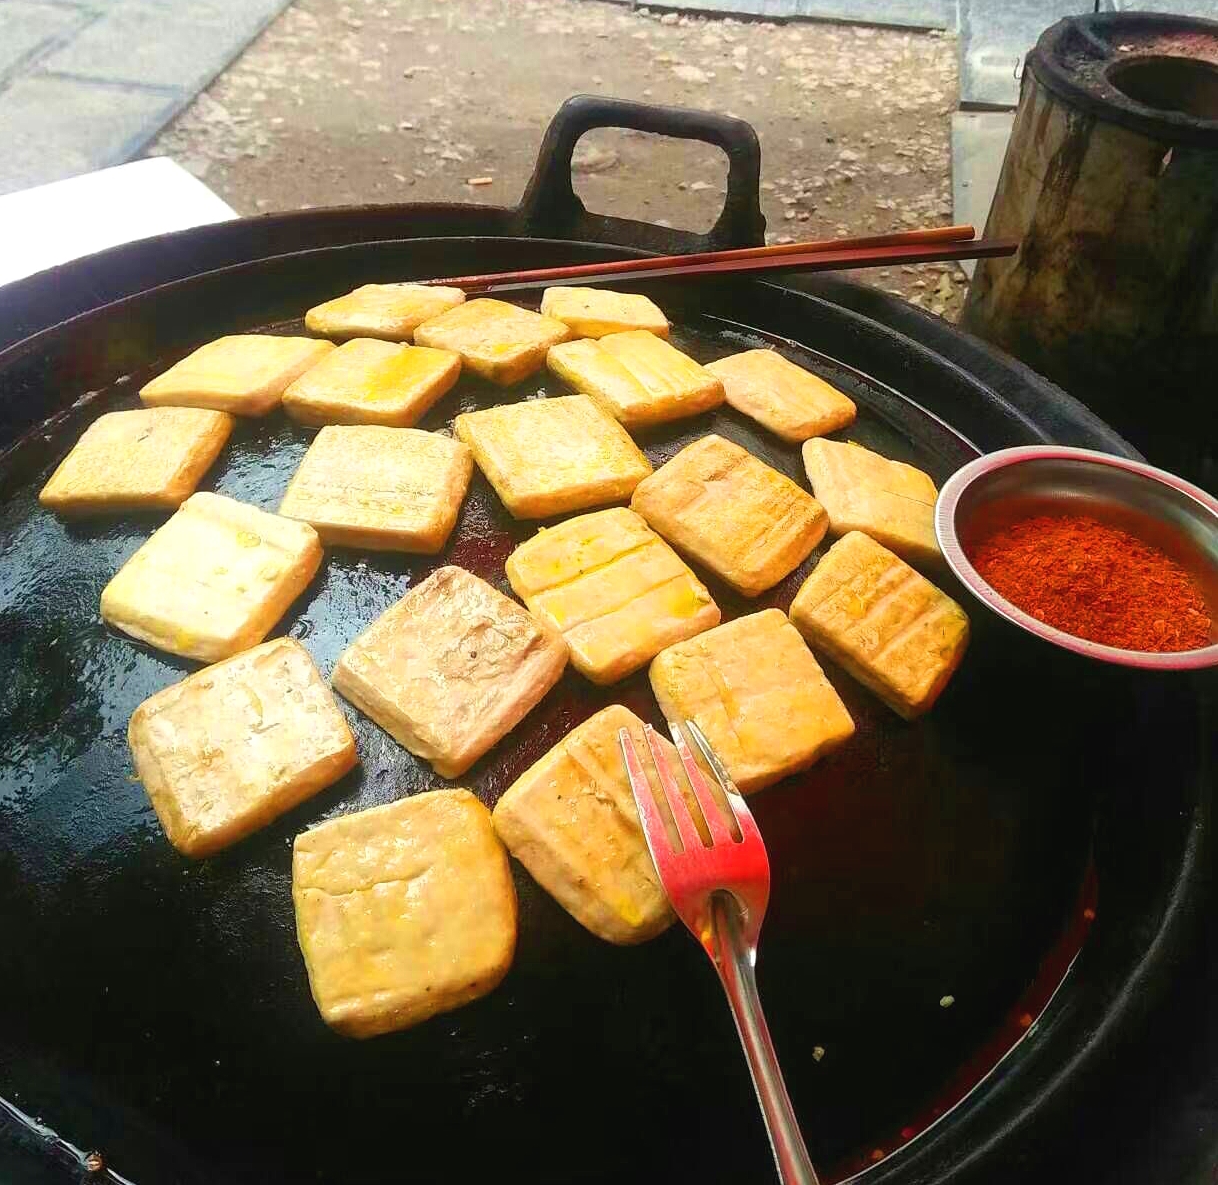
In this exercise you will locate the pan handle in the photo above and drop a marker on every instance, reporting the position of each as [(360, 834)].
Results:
[(550, 208)]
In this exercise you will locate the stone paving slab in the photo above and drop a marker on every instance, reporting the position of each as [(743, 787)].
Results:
[(54, 127), (187, 51), (29, 28), (85, 84)]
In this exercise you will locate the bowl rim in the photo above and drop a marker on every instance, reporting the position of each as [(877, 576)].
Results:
[(946, 507)]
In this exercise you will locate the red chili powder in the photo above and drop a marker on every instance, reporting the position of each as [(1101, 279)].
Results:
[(1095, 582)]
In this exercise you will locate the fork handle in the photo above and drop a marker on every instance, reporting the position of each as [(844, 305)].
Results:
[(733, 958)]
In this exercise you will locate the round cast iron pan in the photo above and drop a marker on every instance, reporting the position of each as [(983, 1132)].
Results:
[(157, 1010)]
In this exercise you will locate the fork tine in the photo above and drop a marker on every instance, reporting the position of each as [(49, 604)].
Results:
[(711, 810), (690, 839), (735, 800), (654, 831)]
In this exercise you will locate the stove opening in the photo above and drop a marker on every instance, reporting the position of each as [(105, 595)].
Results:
[(1170, 84)]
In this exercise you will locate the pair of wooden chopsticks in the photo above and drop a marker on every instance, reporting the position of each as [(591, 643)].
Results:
[(930, 245)]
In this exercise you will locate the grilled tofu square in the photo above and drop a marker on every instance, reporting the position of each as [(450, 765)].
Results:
[(372, 382), (756, 691), (886, 624), (403, 911), (791, 402), (638, 378), (246, 373), (721, 506), (213, 580), (552, 456), (451, 669), (391, 312), (388, 489), (596, 312), (613, 588), (892, 502), (499, 341), (233, 746), (150, 458), (570, 819)]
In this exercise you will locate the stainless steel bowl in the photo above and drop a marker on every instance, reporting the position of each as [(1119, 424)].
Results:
[(1165, 510)]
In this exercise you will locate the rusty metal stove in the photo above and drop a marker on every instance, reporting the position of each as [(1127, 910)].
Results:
[(1111, 181)]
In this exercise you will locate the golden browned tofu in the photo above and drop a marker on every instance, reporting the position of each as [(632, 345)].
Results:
[(638, 378), (403, 911), (451, 669), (613, 588), (893, 630), (213, 580), (571, 820), (726, 509), (499, 341), (552, 456), (245, 374), (388, 489), (892, 502), (152, 457), (372, 382), (595, 312), (757, 693), (391, 312), (788, 400), (236, 744)]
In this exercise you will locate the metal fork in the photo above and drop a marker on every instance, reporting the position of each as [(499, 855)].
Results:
[(720, 892)]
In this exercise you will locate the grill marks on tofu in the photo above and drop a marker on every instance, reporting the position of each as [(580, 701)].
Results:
[(783, 397), (637, 377), (862, 491), (499, 341), (451, 669), (723, 507), (617, 592), (759, 695), (381, 488), (886, 624), (552, 456), (571, 820)]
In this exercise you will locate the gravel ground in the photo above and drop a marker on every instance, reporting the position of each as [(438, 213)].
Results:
[(345, 101)]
